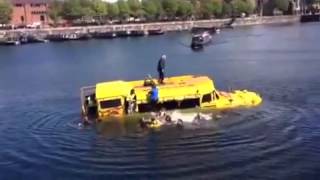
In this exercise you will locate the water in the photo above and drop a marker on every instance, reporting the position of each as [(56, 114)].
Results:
[(40, 108)]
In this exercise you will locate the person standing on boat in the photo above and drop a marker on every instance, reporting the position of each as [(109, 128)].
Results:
[(154, 97), (161, 67)]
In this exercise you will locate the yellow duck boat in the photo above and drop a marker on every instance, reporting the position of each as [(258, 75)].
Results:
[(107, 99)]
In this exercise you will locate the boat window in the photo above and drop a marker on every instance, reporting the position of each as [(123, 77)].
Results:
[(170, 105), (189, 103), (206, 98), (110, 103), (216, 96)]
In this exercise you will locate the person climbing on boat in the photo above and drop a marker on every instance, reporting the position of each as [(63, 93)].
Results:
[(132, 101), (161, 67)]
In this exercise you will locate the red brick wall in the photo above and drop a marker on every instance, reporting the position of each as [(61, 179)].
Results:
[(31, 13)]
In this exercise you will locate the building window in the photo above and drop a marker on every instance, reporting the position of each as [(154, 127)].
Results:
[(22, 19), (35, 5), (42, 18), (38, 12), (18, 5)]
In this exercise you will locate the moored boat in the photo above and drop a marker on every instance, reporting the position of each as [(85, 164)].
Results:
[(110, 99), (68, 36), (26, 39), (9, 41), (104, 35), (137, 33), (155, 32), (123, 33)]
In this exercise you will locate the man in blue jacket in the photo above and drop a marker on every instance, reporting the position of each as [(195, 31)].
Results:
[(154, 96)]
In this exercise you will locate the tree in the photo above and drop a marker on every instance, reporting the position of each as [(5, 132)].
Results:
[(100, 8), (150, 8), (185, 9), (217, 7), (160, 11), (72, 10), (282, 5), (135, 7), (87, 8), (124, 10), (113, 10), (196, 8), (252, 5), (55, 11), (242, 6), (5, 12), (227, 9), (170, 7), (211, 7)]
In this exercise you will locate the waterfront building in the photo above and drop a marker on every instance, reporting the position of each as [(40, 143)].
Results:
[(30, 13)]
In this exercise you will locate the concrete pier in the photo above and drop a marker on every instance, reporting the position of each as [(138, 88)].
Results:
[(165, 26)]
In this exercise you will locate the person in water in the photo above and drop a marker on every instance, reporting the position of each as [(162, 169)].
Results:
[(132, 101), (161, 67)]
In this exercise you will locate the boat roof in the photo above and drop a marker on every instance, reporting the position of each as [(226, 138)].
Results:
[(175, 88), (112, 89)]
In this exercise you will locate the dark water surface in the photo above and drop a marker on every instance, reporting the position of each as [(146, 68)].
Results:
[(40, 108)]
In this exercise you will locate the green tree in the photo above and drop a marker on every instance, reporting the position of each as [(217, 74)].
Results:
[(196, 8), (72, 10), (211, 7), (217, 7), (160, 11), (135, 7), (55, 11), (185, 9), (150, 9), (113, 10), (170, 7), (124, 10), (227, 9), (282, 5), (252, 5), (5, 12), (100, 8), (242, 6)]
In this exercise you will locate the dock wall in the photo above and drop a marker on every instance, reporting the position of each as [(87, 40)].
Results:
[(166, 26)]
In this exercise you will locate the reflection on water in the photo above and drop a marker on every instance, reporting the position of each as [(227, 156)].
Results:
[(40, 109)]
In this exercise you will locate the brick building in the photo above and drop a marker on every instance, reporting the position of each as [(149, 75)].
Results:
[(30, 12)]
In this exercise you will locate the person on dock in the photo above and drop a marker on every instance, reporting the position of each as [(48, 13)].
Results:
[(161, 67)]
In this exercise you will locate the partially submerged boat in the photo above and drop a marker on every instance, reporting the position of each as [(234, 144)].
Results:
[(200, 40), (110, 99)]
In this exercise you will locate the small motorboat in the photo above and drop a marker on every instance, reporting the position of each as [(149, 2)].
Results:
[(200, 40), (155, 32)]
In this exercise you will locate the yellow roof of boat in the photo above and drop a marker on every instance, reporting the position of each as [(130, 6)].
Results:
[(112, 89), (175, 88)]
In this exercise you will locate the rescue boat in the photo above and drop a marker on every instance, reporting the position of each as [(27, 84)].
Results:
[(110, 99)]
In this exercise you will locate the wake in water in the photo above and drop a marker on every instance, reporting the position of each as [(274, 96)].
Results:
[(178, 119)]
